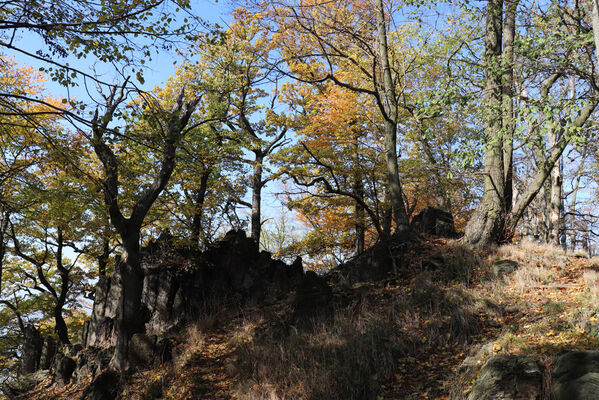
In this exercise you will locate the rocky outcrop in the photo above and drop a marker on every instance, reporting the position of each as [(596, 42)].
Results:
[(105, 387), (180, 285), (91, 362), (508, 377), (62, 369), (31, 352), (148, 350), (381, 261), (574, 375), (49, 350), (14, 389), (434, 221), (313, 299)]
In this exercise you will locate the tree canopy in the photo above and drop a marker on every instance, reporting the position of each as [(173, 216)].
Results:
[(352, 116)]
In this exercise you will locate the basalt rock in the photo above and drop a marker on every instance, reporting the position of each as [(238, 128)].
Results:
[(63, 368), (313, 299), (181, 284), (15, 389), (149, 350), (508, 377), (434, 221), (32, 350), (105, 387), (380, 261), (92, 361), (49, 349), (576, 375)]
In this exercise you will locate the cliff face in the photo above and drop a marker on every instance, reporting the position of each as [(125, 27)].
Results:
[(180, 285)]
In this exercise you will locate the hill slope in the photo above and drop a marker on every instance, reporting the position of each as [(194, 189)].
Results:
[(423, 335)]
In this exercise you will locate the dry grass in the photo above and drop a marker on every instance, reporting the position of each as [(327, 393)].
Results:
[(527, 251), (594, 261), (462, 264), (193, 339), (591, 279), (345, 359), (394, 339), (355, 354), (530, 275)]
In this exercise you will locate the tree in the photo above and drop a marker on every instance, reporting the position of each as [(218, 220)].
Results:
[(492, 222), (317, 39), (341, 192), (123, 32), (261, 131), (208, 181), (170, 127), (487, 222), (31, 180)]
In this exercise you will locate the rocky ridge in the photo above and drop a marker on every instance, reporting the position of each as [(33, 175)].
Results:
[(180, 286)]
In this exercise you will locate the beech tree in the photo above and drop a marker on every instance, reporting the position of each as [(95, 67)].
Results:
[(315, 39), (335, 195), (170, 127), (124, 32), (253, 114), (494, 221)]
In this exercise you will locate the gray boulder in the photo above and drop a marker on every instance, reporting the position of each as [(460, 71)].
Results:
[(508, 377), (16, 388), (575, 375), (502, 267), (434, 221)]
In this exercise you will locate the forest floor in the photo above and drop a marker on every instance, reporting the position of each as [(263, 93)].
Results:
[(394, 339)]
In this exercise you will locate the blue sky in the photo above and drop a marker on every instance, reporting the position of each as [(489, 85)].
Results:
[(156, 71)]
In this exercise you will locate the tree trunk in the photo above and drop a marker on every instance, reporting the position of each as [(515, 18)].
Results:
[(131, 314), (358, 189), (4, 221), (103, 258), (545, 169), (60, 327), (359, 216), (555, 205), (441, 195), (572, 208), (61, 297), (547, 227), (257, 196), (386, 217), (390, 114), (509, 34), (200, 198), (486, 226), (595, 21)]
